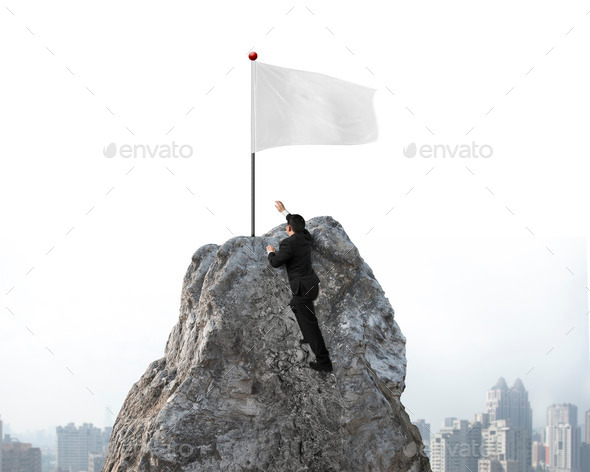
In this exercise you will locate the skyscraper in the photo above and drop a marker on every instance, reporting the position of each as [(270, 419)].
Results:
[(539, 454), (74, 444), (503, 445), (512, 404), (585, 457), (563, 438), (563, 413), (586, 435), (424, 429), (1, 436), (456, 448), (495, 404), (585, 446), (503, 403), (96, 462), (18, 456)]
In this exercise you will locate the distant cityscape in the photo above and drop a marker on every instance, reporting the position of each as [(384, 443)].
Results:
[(75, 449), (501, 439)]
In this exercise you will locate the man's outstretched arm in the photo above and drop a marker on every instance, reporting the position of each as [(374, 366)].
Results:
[(280, 207), (285, 212)]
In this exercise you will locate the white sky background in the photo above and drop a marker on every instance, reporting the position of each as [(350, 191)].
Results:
[(477, 294)]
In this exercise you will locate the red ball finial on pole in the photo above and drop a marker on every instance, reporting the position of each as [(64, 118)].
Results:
[(253, 56)]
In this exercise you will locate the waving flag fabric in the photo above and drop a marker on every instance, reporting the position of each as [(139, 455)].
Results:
[(292, 106)]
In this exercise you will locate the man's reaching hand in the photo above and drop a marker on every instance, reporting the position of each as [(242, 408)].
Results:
[(279, 205)]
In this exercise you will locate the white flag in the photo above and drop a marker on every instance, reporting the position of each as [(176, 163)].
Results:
[(292, 106)]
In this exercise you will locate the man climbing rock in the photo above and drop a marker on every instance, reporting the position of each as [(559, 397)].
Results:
[(295, 253)]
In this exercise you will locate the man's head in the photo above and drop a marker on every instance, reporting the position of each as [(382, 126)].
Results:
[(295, 224)]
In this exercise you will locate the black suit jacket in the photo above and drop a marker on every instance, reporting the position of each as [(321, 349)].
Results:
[(295, 253)]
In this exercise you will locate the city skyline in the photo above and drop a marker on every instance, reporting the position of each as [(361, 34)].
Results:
[(505, 421), (501, 439)]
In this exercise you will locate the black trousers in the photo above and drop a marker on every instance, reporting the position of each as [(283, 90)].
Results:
[(302, 306)]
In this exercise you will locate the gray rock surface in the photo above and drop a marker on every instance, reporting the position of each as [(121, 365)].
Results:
[(234, 392)]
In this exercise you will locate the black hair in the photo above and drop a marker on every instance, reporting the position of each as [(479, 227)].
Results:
[(297, 223)]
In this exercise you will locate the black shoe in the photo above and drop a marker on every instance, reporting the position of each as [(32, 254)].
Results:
[(321, 367), (303, 341)]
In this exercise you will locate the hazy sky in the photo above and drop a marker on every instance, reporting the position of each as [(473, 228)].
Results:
[(483, 259)]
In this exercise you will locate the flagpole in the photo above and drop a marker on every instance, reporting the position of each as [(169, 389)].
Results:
[(252, 57), (252, 171)]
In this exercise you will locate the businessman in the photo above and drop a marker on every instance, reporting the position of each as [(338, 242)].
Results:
[(295, 253)]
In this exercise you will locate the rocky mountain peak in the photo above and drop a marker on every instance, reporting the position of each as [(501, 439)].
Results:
[(234, 392)]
